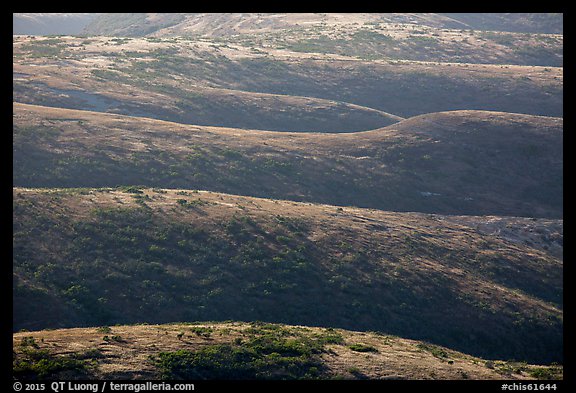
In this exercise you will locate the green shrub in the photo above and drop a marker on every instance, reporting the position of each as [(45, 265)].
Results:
[(330, 336), (268, 356), (191, 204), (546, 373), (131, 189), (202, 331), (29, 342), (362, 348), (434, 350), (40, 364), (118, 339)]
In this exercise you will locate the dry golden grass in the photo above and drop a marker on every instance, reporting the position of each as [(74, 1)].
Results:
[(127, 356)]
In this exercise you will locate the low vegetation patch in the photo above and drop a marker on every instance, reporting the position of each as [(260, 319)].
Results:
[(35, 363), (202, 331), (435, 350), (553, 372), (271, 352), (362, 348), (511, 368)]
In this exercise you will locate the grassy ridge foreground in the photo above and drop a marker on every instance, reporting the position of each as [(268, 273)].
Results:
[(240, 350), (90, 257)]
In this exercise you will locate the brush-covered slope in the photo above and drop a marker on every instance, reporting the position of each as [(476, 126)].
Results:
[(463, 162), (210, 350), (88, 257)]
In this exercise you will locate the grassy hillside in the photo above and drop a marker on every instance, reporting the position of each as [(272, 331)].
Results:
[(464, 162), (243, 23), (470, 38), (266, 85), (211, 350), (383, 191), (90, 257)]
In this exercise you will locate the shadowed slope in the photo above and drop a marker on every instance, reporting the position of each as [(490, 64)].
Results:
[(130, 255)]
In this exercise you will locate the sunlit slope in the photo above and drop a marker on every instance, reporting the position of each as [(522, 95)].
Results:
[(211, 350), (240, 83), (462, 162), (218, 24), (528, 39)]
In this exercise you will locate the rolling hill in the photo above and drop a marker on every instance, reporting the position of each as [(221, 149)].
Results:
[(242, 84), (288, 196), (462, 162), (130, 255)]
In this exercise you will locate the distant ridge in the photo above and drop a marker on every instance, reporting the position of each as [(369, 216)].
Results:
[(550, 23), (50, 23), (215, 24)]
